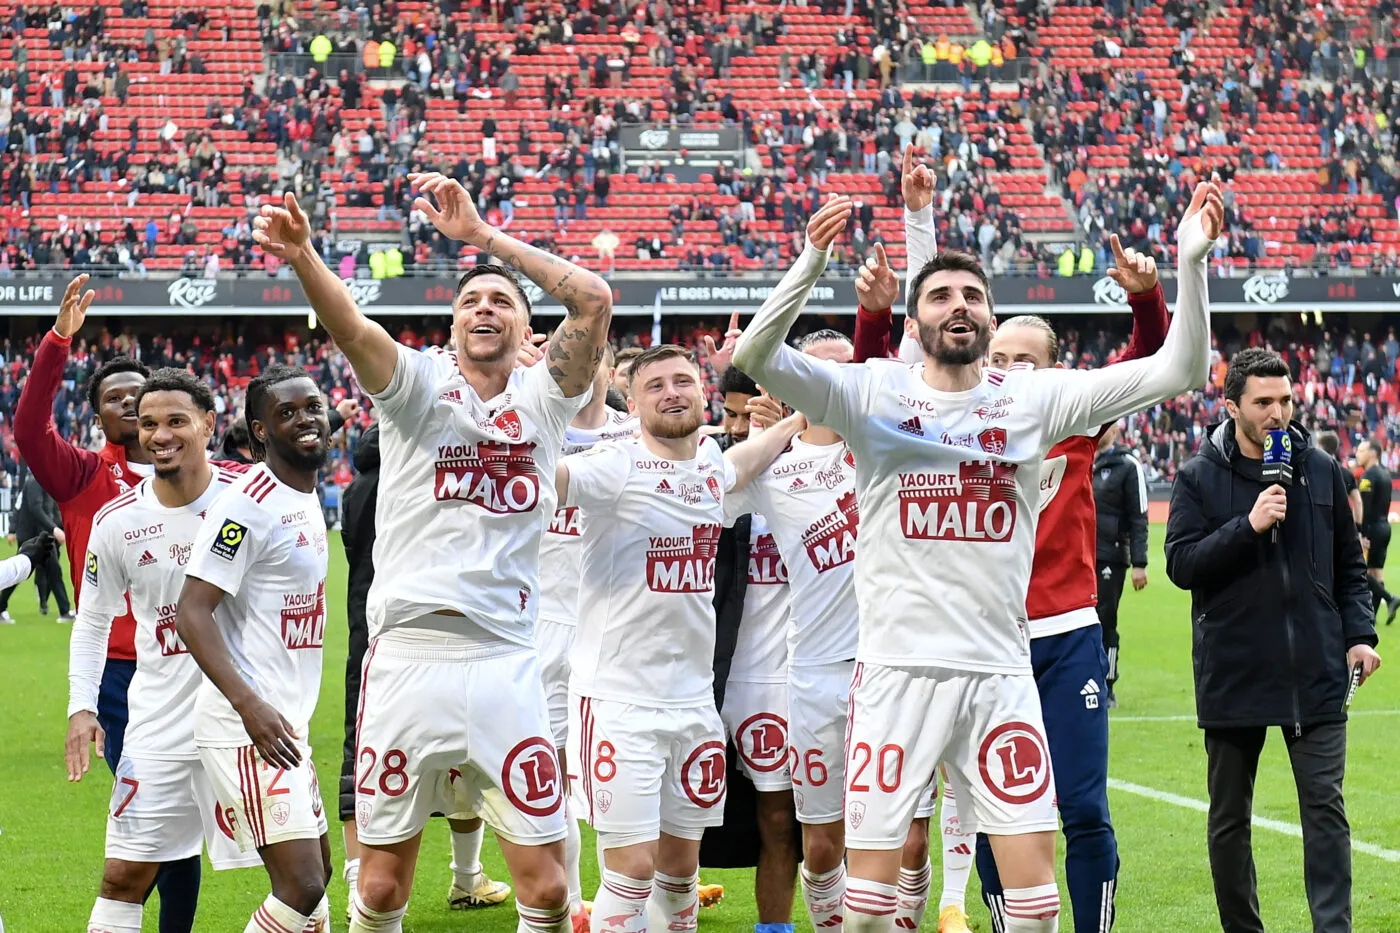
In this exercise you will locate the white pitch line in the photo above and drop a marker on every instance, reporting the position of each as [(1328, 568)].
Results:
[(1278, 826), (1184, 718)]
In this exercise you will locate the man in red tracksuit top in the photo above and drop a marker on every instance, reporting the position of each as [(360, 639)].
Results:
[(1067, 653)]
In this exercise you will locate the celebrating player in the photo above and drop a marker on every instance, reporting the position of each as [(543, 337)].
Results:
[(948, 459), (1067, 656), (645, 738), (561, 551), (465, 439), (253, 614), (163, 808)]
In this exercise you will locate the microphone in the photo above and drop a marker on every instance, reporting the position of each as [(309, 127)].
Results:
[(1278, 465)]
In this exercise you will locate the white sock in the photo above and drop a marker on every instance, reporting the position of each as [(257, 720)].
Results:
[(869, 906), (678, 900), (913, 896), (276, 917), (320, 920), (959, 850), (621, 904), (365, 920), (1033, 910), (823, 893), (110, 916), (543, 919), (573, 851), (466, 856)]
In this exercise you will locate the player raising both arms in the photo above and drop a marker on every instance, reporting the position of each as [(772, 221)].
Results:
[(163, 808), (1067, 655), (253, 614), (646, 740), (468, 446), (561, 551), (948, 458)]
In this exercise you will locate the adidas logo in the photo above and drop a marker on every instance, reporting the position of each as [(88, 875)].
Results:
[(797, 484), (961, 848), (912, 426), (455, 395), (664, 488), (1090, 693), (147, 559), (301, 540)]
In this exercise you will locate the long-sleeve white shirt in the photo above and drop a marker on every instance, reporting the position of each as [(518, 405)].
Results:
[(948, 482), (14, 570)]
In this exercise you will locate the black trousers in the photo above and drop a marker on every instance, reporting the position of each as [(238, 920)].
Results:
[(354, 666), (48, 580), (1318, 757), (1111, 577)]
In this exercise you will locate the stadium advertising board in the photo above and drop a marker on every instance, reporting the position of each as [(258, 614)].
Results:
[(681, 294)]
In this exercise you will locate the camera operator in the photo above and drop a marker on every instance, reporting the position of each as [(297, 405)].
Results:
[(1281, 615)]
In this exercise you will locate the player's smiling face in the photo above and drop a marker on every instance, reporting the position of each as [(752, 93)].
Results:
[(294, 424), (953, 319), (489, 320), (668, 398), (117, 406), (1013, 344), (174, 431)]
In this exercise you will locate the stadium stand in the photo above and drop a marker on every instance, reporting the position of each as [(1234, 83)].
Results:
[(140, 134)]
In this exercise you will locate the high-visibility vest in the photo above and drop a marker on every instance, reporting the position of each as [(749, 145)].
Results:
[(320, 49), (1086, 260), (1066, 263), (386, 54), (393, 263), (376, 265)]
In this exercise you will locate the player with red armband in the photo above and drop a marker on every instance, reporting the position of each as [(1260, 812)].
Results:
[(1067, 651)]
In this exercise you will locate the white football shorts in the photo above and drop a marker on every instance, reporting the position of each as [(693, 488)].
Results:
[(986, 728), (263, 804), (164, 810), (553, 640), (818, 698), (755, 717)]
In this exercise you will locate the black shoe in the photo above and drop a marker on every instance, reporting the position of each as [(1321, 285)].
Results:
[(43, 610), (1393, 606), (1112, 700)]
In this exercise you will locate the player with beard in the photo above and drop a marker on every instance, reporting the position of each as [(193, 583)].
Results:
[(948, 457), (253, 614), (645, 738), (561, 550), (163, 809), (468, 443), (1067, 644)]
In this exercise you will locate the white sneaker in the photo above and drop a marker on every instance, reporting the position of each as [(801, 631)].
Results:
[(6, 618), (67, 618), (483, 893)]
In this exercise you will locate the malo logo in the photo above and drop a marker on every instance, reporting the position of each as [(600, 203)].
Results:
[(499, 478), (683, 563), (509, 424), (566, 522), (166, 637), (831, 540), (765, 565), (975, 503), (304, 619)]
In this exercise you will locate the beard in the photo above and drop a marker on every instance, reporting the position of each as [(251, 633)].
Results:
[(673, 427), (299, 459), (169, 472), (1258, 433), (931, 339)]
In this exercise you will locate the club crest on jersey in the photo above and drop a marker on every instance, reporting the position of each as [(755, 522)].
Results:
[(90, 569), (281, 812), (229, 539), (977, 502), (712, 484), (830, 541), (850, 458), (683, 563), (703, 774), (856, 814), (603, 799), (509, 424), (1014, 763), (304, 619), (993, 441), (167, 638), (500, 478)]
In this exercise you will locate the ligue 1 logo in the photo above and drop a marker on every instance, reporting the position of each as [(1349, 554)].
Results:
[(1285, 443)]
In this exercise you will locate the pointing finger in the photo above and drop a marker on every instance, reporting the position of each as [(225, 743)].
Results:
[(881, 260), (734, 321), (1118, 255)]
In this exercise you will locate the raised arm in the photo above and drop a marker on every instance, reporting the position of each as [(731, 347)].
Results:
[(576, 348), (877, 287), (61, 468), (1136, 272), (285, 232), (812, 386), (754, 455), (1080, 401)]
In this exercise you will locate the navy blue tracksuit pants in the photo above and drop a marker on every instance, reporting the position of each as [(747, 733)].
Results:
[(1071, 670)]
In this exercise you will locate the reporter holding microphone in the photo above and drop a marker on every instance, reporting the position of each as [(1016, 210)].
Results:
[(1261, 532)]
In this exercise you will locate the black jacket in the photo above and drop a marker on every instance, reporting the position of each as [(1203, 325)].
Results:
[(36, 512), (1271, 623), (357, 525), (1120, 499)]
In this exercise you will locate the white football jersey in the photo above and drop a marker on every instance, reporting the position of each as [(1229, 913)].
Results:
[(141, 547), (646, 629), (761, 651), (561, 548), (466, 490), (809, 494), (264, 544)]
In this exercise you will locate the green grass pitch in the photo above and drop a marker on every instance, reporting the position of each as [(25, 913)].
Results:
[(51, 847)]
